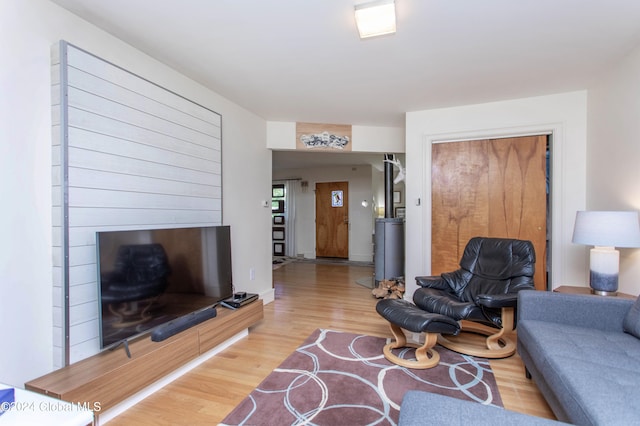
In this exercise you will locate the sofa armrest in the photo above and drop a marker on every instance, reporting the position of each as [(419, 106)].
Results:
[(583, 310)]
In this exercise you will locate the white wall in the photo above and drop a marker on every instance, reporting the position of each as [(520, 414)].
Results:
[(360, 218), (28, 29), (563, 115), (613, 178), (377, 183)]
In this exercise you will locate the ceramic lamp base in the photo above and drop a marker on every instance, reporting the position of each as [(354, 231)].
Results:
[(604, 267)]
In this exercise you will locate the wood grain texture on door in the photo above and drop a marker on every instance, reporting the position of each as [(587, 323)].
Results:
[(491, 188), (332, 219)]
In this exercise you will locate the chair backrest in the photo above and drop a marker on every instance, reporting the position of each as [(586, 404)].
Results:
[(496, 266), (499, 258)]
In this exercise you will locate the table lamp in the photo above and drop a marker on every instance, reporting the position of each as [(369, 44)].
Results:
[(606, 230)]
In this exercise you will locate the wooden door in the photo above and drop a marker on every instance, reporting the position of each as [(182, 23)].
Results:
[(332, 219), (491, 188)]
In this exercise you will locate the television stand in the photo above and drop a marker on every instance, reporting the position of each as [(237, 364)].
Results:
[(109, 377)]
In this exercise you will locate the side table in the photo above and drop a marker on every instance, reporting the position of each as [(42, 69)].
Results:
[(587, 290)]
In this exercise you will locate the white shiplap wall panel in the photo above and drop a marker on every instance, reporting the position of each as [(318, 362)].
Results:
[(127, 154), (55, 72), (56, 174), (57, 333), (118, 112), (55, 152), (57, 238), (113, 181), (82, 350), (91, 84), (81, 329), (85, 159), (80, 119), (89, 197), (84, 294), (96, 66), (56, 197), (57, 302), (82, 255), (82, 313), (81, 274), (57, 270), (57, 255), (109, 144), (142, 218)]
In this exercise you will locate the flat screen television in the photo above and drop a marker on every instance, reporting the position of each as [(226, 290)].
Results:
[(149, 277)]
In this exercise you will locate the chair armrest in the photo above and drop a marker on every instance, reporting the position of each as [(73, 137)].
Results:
[(582, 310), (432, 282), (497, 300)]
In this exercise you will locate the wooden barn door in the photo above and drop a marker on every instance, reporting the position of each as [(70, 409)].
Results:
[(491, 188), (332, 219)]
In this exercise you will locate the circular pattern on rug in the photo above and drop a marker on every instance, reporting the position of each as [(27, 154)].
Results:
[(343, 378)]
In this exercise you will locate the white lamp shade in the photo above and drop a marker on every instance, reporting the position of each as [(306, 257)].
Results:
[(607, 228), (376, 18)]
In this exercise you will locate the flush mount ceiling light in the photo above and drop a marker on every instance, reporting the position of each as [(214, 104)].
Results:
[(376, 18)]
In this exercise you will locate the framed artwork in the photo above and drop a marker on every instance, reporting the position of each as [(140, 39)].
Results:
[(337, 198), (277, 234), (278, 220), (400, 211), (278, 249), (277, 191), (397, 196), (277, 206)]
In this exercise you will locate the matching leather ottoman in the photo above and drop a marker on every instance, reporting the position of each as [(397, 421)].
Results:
[(402, 314)]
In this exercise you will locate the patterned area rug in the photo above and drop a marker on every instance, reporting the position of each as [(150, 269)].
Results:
[(337, 378)]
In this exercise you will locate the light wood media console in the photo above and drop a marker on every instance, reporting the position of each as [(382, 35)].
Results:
[(110, 377)]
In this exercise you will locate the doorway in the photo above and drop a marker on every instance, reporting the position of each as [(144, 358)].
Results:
[(494, 188), (332, 219)]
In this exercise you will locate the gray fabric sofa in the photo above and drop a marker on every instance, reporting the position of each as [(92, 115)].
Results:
[(423, 408), (577, 351)]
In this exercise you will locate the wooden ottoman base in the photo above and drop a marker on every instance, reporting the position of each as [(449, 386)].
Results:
[(426, 357)]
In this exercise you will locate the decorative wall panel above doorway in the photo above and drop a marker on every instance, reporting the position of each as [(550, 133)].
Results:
[(323, 137)]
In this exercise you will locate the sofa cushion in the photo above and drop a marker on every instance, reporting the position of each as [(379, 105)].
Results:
[(631, 322), (599, 396), (592, 373), (558, 340)]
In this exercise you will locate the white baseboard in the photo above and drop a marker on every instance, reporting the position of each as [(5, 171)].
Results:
[(268, 296), (361, 257)]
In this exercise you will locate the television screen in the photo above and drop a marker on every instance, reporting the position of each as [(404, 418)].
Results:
[(149, 277)]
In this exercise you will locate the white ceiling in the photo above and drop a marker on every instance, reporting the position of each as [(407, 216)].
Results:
[(302, 60)]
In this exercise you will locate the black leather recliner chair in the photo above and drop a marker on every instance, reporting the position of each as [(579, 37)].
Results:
[(482, 294)]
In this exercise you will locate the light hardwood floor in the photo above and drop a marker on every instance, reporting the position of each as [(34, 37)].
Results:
[(307, 296)]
